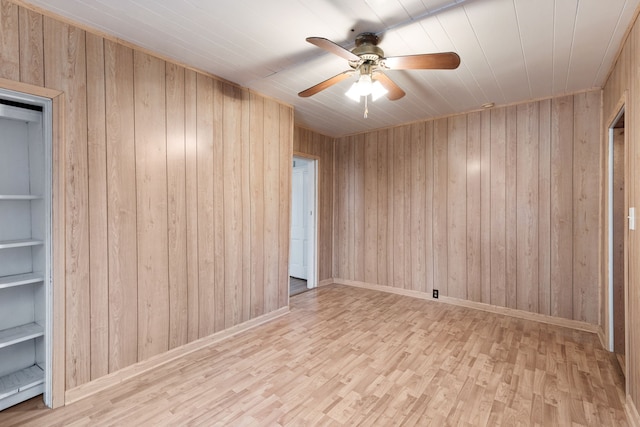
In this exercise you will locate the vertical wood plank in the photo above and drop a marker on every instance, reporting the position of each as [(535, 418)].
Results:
[(474, 200), (271, 203), (383, 205), (285, 170), (257, 179), (391, 237), (98, 224), (65, 62), (456, 207), (206, 236), (498, 207), (9, 41), (511, 205), (121, 213), (151, 196), (399, 207), (232, 203), (527, 207), (418, 272), (544, 209), (305, 143), (485, 207), (429, 207), (440, 185), (246, 207), (340, 207), (561, 207), (32, 47), (371, 208), (177, 207), (351, 213), (218, 207), (191, 201), (407, 236), (585, 213), (326, 209), (298, 135), (358, 196)]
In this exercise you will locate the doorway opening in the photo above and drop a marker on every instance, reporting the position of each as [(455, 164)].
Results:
[(303, 247), (26, 276), (618, 237)]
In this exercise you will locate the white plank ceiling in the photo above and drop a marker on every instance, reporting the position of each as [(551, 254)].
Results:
[(511, 50)]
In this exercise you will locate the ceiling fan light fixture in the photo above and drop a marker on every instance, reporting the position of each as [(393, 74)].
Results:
[(367, 59), (364, 85), (377, 90)]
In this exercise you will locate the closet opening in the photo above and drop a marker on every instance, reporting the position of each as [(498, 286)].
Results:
[(303, 270), (621, 219), (25, 248)]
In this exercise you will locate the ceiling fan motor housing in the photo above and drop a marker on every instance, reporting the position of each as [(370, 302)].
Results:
[(367, 48)]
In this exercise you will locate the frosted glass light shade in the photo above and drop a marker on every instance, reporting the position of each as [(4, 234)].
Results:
[(377, 90), (365, 87), (353, 92)]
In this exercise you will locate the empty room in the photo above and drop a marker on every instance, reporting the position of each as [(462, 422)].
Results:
[(319, 212)]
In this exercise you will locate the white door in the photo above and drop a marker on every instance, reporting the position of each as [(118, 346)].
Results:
[(298, 249)]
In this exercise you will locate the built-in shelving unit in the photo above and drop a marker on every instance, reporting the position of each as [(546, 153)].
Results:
[(24, 252)]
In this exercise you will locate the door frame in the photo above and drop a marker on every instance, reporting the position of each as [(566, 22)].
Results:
[(52, 102), (619, 111), (312, 245)]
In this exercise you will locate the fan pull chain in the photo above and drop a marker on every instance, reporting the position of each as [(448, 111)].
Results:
[(366, 107)]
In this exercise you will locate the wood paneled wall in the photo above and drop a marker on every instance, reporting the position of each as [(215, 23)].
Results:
[(320, 147), (499, 206), (177, 194), (623, 89)]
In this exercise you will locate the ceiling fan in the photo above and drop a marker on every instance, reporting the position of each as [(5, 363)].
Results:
[(368, 61)]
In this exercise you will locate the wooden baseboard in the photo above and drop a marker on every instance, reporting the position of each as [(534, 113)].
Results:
[(557, 321), (115, 378), (632, 412), (603, 339), (325, 282)]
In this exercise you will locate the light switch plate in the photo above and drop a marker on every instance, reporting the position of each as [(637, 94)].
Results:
[(632, 218)]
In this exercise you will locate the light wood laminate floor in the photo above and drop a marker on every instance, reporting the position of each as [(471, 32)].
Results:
[(347, 356)]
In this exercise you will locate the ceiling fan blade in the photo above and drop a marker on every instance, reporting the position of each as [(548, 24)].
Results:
[(427, 61), (332, 47), (325, 84), (394, 92)]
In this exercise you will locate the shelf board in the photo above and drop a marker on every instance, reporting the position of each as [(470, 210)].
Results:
[(20, 279), (19, 197), (8, 244), (20, 333), (20, 381)]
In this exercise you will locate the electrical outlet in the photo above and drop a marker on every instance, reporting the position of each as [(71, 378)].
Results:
[(435, 293)]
